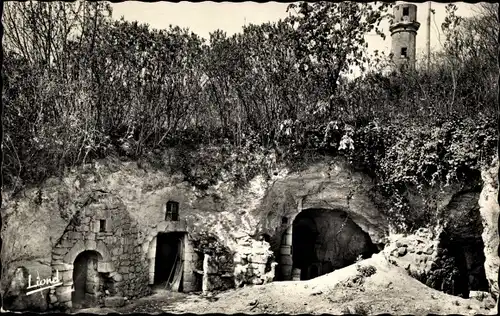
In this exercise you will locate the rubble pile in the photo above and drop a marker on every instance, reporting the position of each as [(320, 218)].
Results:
[(254, 262)]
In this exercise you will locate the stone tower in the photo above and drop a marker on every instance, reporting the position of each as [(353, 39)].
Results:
[(403, 33)]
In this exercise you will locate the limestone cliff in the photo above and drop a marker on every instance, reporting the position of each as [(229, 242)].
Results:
[(36, 219)]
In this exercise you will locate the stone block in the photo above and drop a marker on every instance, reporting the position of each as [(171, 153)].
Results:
[(62, 267), (151, 266), (286, 260), (114, 301), (91, 287), (75, 235), (123, 269), (162, 226), (104, 267), (288, 238), (52, 298), (67, 243), (117, 277), (63, 294), (66, 276), (151, 277), (152, 251), (126, 263), (188, 286), (90, 244), (189, 277), (259, 258), (60, 251)]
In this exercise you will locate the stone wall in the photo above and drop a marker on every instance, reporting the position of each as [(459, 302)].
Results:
[(217, 273), (254, 262), (121, 260)]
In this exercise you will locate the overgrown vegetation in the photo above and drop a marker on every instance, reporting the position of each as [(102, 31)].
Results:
[(79, 86)]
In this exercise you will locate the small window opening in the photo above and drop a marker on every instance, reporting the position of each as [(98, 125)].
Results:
[(404, 52), (172, 213), (284, 220), (406, 11), (102, 225)]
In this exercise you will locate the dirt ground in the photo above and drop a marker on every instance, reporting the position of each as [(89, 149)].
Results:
[(385, 289)]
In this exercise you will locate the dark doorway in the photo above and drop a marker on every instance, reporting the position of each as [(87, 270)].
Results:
[(169, 261), (303, 244), (324, 240), (86, 280)]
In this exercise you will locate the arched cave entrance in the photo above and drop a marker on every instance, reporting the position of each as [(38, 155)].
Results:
[(169, 263), (86, 280), (321, 241)]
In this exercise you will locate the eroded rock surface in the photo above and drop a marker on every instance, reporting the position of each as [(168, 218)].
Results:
[(36, 220), (489, 210)]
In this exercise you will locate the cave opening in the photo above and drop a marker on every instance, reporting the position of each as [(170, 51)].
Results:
[(321, 241), (461, 248), (169, 261), (466, 257)]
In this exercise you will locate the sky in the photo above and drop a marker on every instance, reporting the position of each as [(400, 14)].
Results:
[(205, 17)]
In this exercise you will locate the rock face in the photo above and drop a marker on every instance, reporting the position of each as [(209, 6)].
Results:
[(117, 212), (488, 208), (440, 260), (416, 253), (332, 186)]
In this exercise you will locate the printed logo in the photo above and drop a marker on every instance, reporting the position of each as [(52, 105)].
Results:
[(43, 284)]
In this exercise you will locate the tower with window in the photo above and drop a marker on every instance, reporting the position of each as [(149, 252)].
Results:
[(404, 34)]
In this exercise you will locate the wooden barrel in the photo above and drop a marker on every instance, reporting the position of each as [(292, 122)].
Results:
[(296, 274)]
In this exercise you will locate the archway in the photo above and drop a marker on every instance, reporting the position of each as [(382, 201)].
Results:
[(86, 280), (320, 241), (79, 255)]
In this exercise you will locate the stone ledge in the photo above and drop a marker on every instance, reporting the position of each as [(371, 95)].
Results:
[(61, 267)]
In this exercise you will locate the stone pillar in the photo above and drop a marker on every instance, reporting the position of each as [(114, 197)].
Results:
[(286, 255), (189, 279), (204, 284), (151, 256)]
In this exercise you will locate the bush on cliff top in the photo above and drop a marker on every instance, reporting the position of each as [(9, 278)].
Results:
[(240, 105)]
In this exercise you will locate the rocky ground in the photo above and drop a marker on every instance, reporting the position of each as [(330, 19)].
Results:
[(372, 286)]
